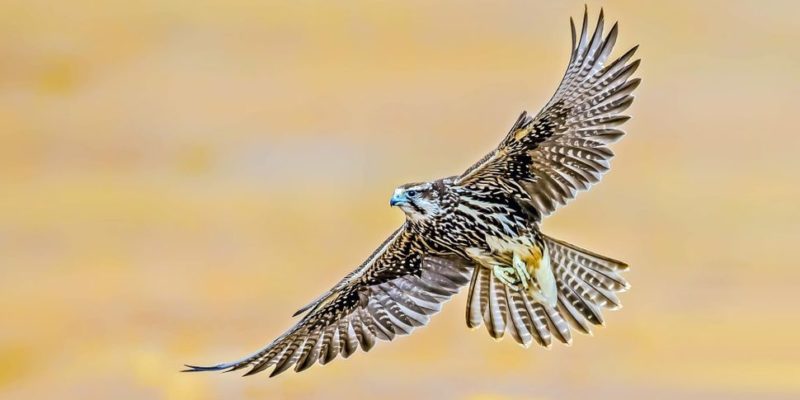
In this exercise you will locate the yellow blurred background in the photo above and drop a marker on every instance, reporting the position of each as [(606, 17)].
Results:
[(178, 177)]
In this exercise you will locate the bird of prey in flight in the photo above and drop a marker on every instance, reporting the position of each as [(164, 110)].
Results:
[(481, 229)]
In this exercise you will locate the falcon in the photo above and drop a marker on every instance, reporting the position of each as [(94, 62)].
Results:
[(481, 229)]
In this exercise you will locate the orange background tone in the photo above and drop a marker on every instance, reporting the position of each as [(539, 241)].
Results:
[(178, 177)]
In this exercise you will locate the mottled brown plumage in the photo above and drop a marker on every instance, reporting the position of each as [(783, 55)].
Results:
[(482, 228)]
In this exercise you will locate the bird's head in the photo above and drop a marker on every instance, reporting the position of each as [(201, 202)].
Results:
[(419, 201)]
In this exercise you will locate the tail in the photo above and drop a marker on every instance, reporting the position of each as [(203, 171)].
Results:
[(586, 282)]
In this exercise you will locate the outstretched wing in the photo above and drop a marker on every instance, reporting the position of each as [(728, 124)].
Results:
[(547, 159), (397, 289)]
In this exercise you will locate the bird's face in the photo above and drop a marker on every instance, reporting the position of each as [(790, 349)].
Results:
[(420, 201)]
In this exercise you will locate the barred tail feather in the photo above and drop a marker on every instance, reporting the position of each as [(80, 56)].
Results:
[(587, 283)]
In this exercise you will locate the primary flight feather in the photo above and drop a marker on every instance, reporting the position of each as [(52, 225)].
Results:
[(482, 229)]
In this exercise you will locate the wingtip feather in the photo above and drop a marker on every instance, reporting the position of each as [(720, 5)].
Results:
[(219, 367)]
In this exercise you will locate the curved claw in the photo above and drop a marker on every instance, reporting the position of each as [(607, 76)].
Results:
[(522, 270), (507, 275)]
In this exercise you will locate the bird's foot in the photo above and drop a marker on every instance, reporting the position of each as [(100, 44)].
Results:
[(510, 276), (522, 271)]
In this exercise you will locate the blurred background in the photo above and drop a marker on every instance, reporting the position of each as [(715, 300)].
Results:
[(178, 177)]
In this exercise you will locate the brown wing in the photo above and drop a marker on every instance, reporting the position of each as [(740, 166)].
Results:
[(396, 290), (564, 149)]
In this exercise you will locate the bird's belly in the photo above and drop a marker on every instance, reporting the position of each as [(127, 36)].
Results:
[(491, 219), (484, 225)]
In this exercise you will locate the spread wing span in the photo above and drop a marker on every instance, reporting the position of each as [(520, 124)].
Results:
[(394, 291), (548, 158)]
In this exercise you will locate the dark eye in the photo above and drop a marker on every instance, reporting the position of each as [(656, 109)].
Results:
[(412, 193)]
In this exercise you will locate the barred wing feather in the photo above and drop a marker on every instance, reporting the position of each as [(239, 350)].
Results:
[(396, 290), (549, 158)]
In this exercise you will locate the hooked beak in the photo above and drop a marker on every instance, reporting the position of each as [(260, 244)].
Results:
[(398, 198)]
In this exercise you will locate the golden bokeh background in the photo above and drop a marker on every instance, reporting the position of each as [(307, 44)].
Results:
[(178, 177)]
